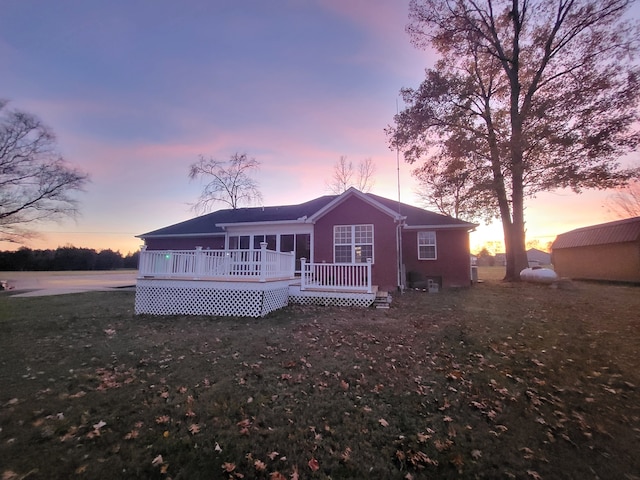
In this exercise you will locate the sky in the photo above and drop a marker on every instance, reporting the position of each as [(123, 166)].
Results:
[(137, 90)]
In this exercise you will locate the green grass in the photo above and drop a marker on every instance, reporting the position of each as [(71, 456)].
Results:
[(496, 381)]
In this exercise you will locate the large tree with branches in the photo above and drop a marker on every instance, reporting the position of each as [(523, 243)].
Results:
[(229, 182), (542, 93), (36, 184)]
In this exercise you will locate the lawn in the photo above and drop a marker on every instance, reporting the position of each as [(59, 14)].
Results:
[(496, 381)]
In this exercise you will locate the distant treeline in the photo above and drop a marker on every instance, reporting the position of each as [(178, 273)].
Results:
[(66, 258)]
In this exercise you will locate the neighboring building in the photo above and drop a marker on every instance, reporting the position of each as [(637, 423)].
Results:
[(538, 258), (402, 241), (609, 251)]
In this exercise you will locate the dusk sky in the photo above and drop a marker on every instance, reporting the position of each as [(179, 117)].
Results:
[(136, 90)]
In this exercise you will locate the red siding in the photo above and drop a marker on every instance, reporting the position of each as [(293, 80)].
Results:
[(354, 211), (453, 263)]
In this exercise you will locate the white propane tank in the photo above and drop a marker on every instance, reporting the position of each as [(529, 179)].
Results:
[(538, 275)]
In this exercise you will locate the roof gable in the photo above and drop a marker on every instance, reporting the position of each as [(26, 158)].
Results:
[(627, 230), (350, 193)]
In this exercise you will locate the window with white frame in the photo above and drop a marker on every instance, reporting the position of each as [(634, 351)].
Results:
[(352, 243), (427, 249)]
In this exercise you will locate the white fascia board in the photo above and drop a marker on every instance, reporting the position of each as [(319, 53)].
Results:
[(441, 227), (182, 235), (287, 226)]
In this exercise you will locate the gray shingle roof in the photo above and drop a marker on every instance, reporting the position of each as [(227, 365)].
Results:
[(207, 224), (627, 230)]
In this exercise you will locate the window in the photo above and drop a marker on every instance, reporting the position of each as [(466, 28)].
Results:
[(352, 243), (427, 246), (241, 242)]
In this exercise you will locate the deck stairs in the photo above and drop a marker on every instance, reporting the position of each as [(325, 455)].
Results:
[(382, 300)]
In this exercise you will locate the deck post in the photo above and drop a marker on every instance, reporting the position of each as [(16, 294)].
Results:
[(263, 261), (198, 266), (369, 286), (303, 274)]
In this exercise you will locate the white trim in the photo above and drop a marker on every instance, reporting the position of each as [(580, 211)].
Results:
[(353, 243), (267, 228), (439, 227), (300, 221), (434, 244), (183, 235)]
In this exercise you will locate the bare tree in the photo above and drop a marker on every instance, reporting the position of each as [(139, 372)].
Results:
[(625, 203), (36, 183), (545, 92), (345, 176), (228, 182)]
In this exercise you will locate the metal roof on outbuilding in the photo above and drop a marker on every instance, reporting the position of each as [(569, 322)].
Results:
[(627, 230)]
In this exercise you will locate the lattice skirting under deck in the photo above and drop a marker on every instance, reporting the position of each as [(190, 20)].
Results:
[(180, 297)]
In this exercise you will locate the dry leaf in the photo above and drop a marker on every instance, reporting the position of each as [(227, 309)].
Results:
[(277, 476), (476, 454), (383, 422), (157, 461), (194, 428), (260, 466), (228, 467), (313, 465), (273, 455), (294, 475)]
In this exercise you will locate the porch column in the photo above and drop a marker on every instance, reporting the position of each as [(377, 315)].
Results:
[(369, 280)]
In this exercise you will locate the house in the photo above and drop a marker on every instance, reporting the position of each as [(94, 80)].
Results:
[(342, 243), (609, 251), (538, 258)]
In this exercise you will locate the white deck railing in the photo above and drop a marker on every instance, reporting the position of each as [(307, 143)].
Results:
[(336, 276), (253, 265)]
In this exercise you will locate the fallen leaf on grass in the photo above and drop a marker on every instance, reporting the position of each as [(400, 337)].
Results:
[(294, 475), (260, 466), (383, 422), (276, 476), (534, 474), (162, 419), (157, 461), (228, 467), (99, 425), (194, 428), (346, 455), (476, 454), (217, 448), (273, 455), (313, 465)]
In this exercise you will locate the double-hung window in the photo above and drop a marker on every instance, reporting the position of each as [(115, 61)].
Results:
[(427, 248), (352, 243)]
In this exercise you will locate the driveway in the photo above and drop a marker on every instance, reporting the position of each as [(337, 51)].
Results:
[(32, 284)]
